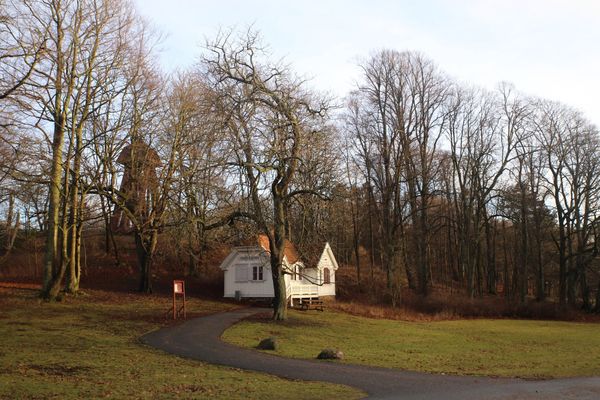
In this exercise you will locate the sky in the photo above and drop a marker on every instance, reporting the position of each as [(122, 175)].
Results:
[(546, 48)]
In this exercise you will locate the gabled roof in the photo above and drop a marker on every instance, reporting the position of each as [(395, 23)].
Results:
[(290, 252), (327, 251), (237, 250)]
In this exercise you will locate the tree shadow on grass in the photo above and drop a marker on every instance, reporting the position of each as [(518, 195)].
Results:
[(292, 321)]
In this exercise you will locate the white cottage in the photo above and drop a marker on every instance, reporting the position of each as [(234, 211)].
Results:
[(248, 273)]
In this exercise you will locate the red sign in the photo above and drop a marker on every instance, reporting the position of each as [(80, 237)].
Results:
[(178, 287)]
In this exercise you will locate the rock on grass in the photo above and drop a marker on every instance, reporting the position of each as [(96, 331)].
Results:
[(330, 354), (268, 344)]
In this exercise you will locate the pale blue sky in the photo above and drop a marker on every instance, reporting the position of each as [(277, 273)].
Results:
[(548, 48)]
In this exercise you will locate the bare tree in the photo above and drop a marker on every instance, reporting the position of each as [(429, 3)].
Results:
[(84, 48), (269, 117), (22, 43), (370, 122), (202, 196), (523, 203), (482, 131), (568, 144), (397, 118), (421, 99)]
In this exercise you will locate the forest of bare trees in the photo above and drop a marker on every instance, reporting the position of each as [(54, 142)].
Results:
[(432, 181)]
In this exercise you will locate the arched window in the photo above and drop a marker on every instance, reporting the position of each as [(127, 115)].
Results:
[(326, 276)]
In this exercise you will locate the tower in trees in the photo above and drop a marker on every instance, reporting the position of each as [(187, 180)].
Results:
[(137, 185)]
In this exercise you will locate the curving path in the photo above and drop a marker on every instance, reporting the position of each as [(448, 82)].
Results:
[(199, 339)]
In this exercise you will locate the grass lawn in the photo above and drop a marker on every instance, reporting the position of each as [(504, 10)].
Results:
[(87, 347), (514, 348)]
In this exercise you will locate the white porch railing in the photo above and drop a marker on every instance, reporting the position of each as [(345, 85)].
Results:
[(298, 291)]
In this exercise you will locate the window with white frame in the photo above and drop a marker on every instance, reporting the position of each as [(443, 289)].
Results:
[(257, 274)]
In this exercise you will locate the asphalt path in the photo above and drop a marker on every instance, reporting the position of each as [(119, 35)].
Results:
[(199, 339)]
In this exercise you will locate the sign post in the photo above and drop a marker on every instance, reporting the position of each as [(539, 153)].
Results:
[(178, 290)]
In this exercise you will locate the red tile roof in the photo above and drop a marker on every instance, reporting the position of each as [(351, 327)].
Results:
[(289, 251)]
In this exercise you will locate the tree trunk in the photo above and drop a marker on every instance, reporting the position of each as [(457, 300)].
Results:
[(583, 287), (74, 276), (74, 224), (355, 233), (280, 295), (597, 308), (12, 233), (371, 232), (490, 242), (562, 249), (541, 287), (506, 280), (145, 246), (54, 267), (52, 259), (422, 244), (410, 274), (277, 248), (12, 229)]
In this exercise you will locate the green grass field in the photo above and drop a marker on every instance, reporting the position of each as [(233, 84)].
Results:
[(513, 348), (87, 347)]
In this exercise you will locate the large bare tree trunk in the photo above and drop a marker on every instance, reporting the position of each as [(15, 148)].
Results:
[(52, 256), (277, 248)]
